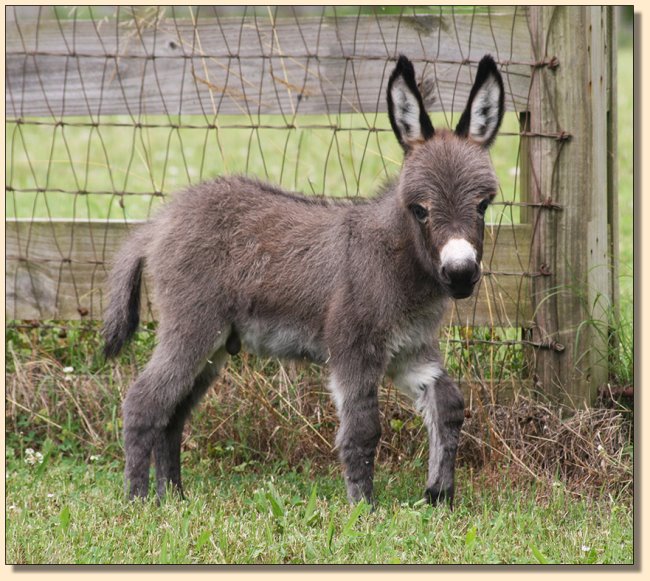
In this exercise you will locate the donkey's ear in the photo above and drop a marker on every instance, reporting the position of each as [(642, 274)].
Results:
[(408, 117), (484, 111)]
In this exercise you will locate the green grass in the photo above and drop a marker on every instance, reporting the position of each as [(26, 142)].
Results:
[(251, 474), (622, 360), (73, 511)]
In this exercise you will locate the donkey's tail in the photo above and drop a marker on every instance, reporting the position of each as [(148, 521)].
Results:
[(123, 313)]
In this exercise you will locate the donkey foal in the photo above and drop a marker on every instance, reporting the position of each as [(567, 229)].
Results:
[(362, 287)]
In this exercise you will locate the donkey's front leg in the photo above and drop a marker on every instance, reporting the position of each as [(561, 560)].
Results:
[(440, 402), (442, 407), (359, 432)]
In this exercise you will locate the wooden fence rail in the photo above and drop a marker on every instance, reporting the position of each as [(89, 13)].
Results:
[(253, 66)]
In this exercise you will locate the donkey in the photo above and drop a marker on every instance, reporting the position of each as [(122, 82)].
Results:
[(361, 287)]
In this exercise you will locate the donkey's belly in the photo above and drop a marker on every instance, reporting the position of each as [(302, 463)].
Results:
[(270, 339)]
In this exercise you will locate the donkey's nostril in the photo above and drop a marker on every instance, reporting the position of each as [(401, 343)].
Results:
[(477, 274), (444, 276)]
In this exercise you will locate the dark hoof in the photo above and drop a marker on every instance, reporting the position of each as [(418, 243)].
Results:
[(435, 496), (135, 492)]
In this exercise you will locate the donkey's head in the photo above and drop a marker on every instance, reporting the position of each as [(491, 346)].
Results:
[(447, 179)]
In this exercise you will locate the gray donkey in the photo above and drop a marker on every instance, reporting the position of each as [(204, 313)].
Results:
[(360, 286)]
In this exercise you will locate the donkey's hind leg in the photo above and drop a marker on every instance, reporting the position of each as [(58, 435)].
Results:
[(167, 447), (152, 400)]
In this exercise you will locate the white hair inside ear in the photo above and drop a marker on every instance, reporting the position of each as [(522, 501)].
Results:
[(484, 117), (406, 110)]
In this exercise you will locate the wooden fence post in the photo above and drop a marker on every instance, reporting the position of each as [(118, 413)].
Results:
[(571, 145)]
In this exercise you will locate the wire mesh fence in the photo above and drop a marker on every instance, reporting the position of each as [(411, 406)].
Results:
[(112, 109)]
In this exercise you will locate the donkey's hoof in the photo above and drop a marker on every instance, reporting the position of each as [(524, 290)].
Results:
[(136, 490), (436, 496)]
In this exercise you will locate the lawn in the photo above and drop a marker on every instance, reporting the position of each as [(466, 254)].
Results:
[(139, 161), (264, 484), (71, 511)]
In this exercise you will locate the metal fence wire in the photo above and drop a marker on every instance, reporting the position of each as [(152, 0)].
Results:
[(112, 109)]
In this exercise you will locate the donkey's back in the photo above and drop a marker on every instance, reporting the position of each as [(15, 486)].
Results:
[(246, 231)]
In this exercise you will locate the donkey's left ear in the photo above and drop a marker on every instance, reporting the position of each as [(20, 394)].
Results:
[(406, 111), (484, 110)]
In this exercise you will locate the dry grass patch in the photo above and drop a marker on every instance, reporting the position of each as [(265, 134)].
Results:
[(262, 411)]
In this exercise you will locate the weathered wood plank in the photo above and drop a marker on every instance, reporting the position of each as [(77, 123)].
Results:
[(57, 270), (573, 301), (254, 65)]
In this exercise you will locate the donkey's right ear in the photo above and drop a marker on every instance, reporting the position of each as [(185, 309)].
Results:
[(408, 117), (484, 111)]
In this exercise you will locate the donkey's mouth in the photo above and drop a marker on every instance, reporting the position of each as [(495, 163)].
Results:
[(460, 291), (459, 274), (463, 293), (460, 281)]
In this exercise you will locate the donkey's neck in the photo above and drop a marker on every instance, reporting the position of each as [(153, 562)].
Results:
[(384, 215)]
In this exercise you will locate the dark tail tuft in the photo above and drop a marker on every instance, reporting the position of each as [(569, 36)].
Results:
[(122, 316)]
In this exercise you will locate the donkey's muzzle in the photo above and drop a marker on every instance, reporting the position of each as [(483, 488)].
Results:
[(460, 278), (459, 267)]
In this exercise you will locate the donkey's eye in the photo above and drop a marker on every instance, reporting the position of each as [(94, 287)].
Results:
[(419, 212), (483, 206)]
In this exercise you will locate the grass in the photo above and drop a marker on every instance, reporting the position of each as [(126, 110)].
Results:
[(67, 511)]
